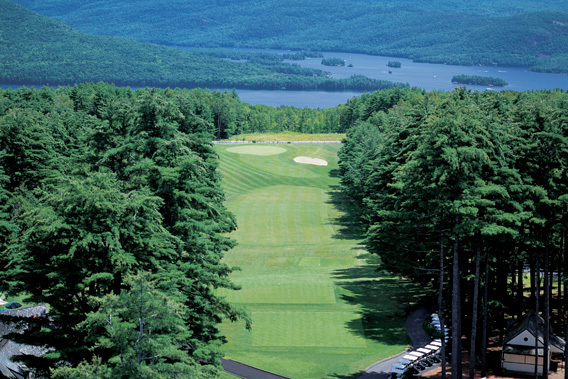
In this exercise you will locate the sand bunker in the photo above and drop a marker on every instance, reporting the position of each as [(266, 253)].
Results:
[(308, 160), (257, 150)]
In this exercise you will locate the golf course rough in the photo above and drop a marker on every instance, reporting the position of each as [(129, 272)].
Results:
[(318, 309)]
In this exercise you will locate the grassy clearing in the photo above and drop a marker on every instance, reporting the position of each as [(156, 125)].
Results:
[(318, 308), (18, 299), (287, 137), (226, 375)]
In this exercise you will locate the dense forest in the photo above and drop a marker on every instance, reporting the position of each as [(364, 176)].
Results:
[(467, 191), (41, 51), (107, 192), (112, 213), (525, 33)]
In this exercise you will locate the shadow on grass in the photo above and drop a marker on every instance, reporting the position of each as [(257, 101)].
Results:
[(348, 225), (385, 301)]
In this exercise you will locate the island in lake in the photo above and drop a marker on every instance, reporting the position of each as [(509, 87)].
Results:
[(333, 62), (395, 64), (479, 80)]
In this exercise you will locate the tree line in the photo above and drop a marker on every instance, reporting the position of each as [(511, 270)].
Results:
[(111, 212), (467, 192)]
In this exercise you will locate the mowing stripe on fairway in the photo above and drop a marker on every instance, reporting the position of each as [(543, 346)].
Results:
[(283, 293), (309, 329), (242, 172), (284, 214)]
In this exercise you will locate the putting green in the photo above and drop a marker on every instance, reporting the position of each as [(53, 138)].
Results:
[(257, 150)]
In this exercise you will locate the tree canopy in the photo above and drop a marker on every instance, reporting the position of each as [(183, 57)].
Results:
[(112, 209), (474, 171)]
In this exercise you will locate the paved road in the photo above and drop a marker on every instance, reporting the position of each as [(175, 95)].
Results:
[(248, 372), (418, 337), (379, 370)]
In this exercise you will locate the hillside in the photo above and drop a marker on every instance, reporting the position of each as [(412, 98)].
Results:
[(38, 50), (524, 33)]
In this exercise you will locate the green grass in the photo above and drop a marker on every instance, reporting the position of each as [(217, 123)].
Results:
[(226, 375), (318, 307), (287, 136), (18, 299)]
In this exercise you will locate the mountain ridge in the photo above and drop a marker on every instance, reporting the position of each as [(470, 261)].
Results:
[(527, 33), (37, 50)]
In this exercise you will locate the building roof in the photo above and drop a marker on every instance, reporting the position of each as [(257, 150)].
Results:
[(10, 321), (535, 326)]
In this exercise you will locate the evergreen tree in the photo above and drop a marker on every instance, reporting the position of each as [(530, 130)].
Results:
[(141, 332), (103, 185)]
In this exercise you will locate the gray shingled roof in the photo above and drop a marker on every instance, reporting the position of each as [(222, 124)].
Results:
[(8, 349), (536, 329), (8, 326)]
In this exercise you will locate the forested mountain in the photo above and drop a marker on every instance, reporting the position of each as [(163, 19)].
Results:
[(37, 50), (522, 33)]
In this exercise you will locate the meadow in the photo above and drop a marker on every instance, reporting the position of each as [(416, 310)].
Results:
[(319, 305)]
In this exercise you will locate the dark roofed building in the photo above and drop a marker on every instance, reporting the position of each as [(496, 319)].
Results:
[(9, 323), (519, 347)]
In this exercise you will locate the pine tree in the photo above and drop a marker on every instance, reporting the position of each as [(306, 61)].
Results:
[(141, 332)]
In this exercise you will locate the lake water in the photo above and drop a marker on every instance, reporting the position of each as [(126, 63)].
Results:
[(423, 75)]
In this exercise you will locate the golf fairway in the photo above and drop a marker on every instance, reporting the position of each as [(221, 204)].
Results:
[(319, 307)]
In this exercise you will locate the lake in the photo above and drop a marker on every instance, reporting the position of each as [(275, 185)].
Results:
[(428, 76), (423, 75)]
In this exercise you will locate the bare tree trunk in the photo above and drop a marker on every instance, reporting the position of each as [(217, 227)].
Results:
[(502, 296), (474, 314), (440, 305), (520, 290), (561, 265), (485, 300), (546, 313), (533, 280), (520, 293), (536, 297), (456, 308), (566, 334)]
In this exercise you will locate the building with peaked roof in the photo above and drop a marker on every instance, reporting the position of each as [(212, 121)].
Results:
[(9, 323), (520, 347)]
